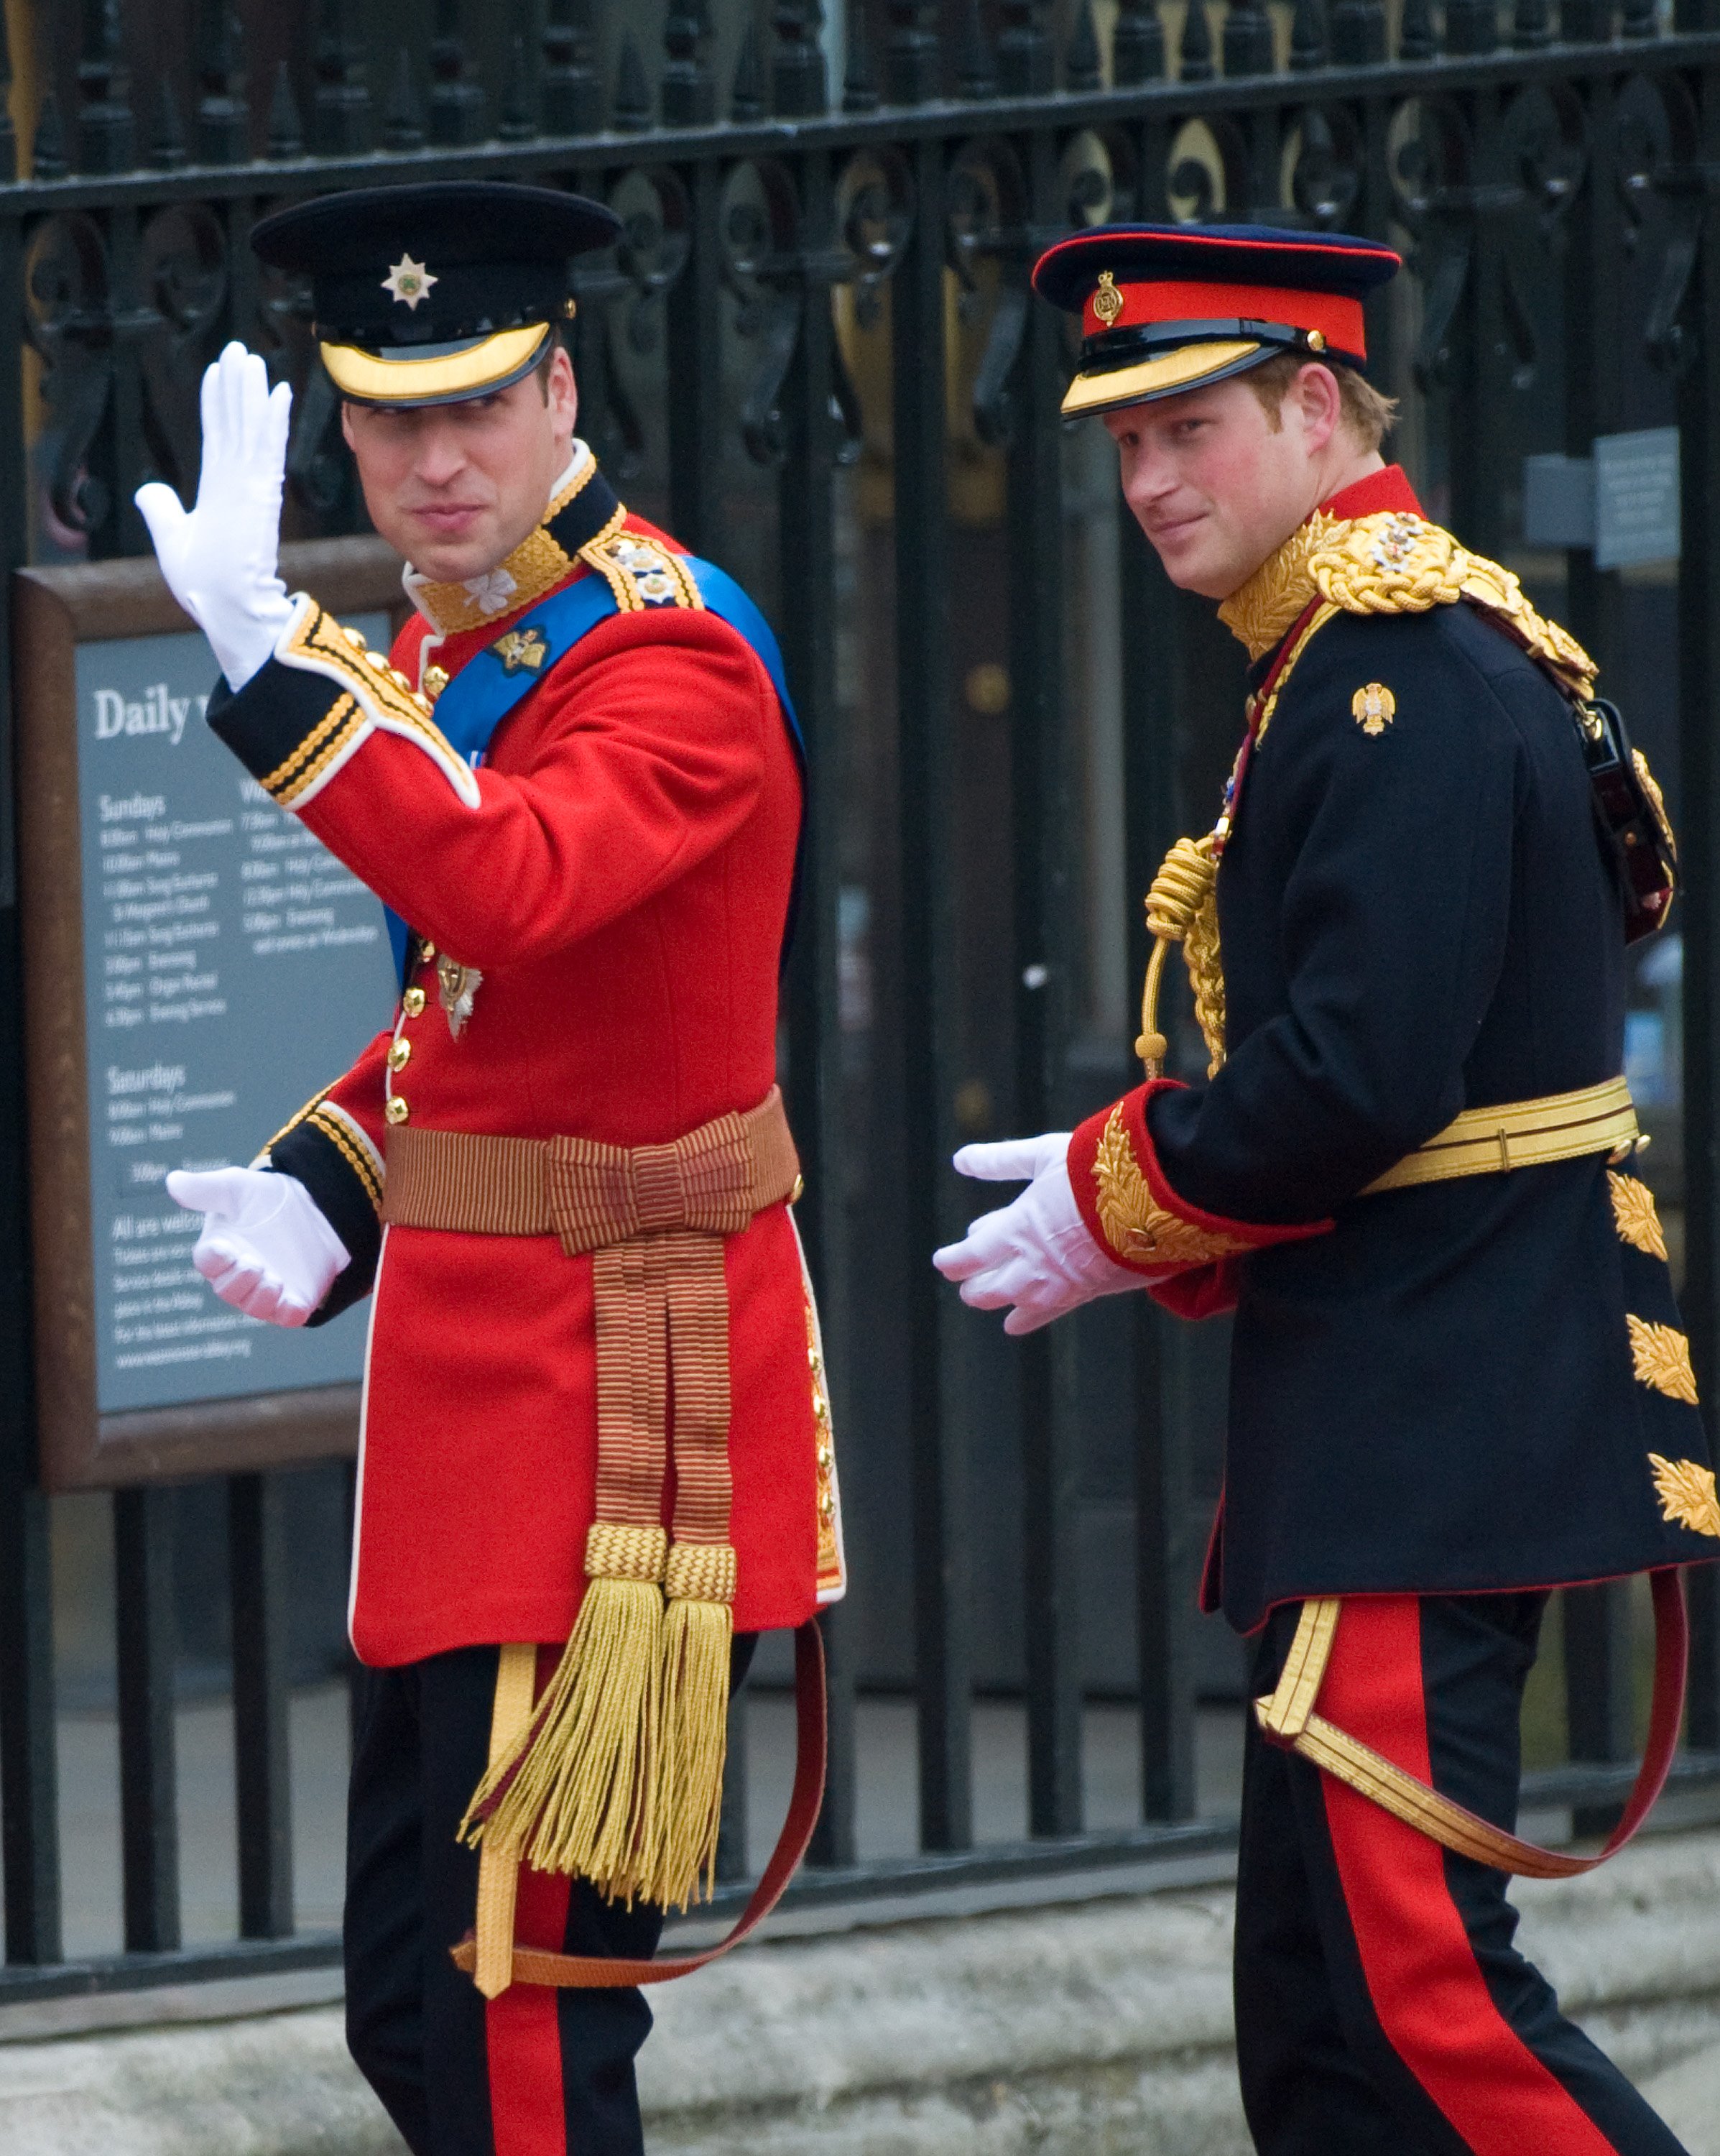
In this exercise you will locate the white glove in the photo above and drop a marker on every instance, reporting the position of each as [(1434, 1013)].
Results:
[(266, 1247), (1036, 1253), (219, 561)]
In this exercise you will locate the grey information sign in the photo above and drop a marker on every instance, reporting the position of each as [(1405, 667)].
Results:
[(232, 967), (1637, 498)]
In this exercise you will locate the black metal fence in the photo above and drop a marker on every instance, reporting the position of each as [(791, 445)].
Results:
[(813, 356)]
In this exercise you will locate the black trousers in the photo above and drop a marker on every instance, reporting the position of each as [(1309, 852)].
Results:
[(536, 2073), (1382, 2009)]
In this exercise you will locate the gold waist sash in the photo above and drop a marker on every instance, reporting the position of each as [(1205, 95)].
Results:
[(1521, 1134)]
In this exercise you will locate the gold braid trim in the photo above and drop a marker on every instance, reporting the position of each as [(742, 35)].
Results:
[(1136, 1225), (1261, 612), (292, 1122)]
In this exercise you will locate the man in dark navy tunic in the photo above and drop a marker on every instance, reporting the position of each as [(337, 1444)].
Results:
[(1459, 1378)]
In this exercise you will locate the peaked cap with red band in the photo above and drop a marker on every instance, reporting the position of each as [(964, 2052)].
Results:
[(1168, 307)]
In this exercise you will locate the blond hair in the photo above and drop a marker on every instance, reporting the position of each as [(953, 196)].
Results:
[(1366, 415)]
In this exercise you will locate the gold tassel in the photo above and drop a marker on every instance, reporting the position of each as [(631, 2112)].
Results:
[(693, 1747), (578, 1792)]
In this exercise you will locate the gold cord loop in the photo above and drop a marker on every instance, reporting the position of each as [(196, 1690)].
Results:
[(1182, 907)]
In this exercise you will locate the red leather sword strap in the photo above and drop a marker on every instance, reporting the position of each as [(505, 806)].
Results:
[(593, 1972)]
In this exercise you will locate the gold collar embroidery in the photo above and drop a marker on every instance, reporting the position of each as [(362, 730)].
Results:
[(1260, 611), (535, 566)]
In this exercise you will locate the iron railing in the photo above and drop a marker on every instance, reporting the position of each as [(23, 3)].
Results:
[(814, 356)]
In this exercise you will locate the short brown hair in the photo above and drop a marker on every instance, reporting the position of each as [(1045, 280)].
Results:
[(1367, 415)]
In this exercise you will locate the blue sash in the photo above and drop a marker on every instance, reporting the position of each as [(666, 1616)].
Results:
[(485, 690)]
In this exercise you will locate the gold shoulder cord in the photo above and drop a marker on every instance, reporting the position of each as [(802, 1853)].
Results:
[(1392, 562)]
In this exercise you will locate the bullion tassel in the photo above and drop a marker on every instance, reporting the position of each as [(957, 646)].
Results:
[(692, 1745), (580, 1793)]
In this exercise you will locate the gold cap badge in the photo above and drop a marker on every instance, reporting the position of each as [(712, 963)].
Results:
[(1374, 707), (1107, 300), (409, 280)]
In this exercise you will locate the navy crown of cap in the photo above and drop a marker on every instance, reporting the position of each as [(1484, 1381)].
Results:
[(1220, 254), (496, 253)]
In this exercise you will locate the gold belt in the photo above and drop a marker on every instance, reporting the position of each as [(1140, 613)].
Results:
[(711, 1181), (1521, 1134)]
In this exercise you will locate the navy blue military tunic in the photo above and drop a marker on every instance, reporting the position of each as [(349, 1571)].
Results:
[(1418, 916)]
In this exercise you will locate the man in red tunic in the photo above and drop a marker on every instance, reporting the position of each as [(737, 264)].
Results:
[(562, 1173)]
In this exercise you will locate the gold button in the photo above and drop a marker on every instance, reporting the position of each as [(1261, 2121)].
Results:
[(426, 950), (400, 1053), (435, 681), (397, 1111), (412, 1003), (799, 1191)]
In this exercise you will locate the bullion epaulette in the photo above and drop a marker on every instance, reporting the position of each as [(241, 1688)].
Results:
[(1397, 563), (640, 571)]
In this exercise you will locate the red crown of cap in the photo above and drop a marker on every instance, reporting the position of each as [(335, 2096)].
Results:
[(1337, 318)]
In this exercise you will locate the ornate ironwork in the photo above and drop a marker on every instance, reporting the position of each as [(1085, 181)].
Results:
[(797, 286)]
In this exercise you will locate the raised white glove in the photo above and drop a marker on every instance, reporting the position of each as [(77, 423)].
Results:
[(266, 1248), (219, 560), (1035, 1256)]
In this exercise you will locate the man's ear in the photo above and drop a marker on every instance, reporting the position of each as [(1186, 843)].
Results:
[(1319, 405), (346, 423), (564, 392)]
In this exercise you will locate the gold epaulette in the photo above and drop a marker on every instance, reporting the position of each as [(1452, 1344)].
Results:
[(1396, 563)]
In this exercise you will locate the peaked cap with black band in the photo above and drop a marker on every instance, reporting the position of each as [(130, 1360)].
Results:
[(434, 294), (1166, 308)]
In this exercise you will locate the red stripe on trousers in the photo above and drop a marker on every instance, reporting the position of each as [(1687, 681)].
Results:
[(522, 2031), (1421, 1971)]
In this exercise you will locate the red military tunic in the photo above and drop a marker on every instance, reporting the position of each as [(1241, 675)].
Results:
[(618, 873)]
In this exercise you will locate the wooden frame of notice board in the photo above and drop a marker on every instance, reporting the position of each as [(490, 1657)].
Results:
[(54, 612)]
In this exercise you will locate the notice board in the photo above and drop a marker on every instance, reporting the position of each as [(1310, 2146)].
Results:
[(195, 967)]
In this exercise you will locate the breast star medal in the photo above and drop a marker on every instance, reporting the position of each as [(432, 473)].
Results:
[(1374, 707), (409, 281), (458, 986)]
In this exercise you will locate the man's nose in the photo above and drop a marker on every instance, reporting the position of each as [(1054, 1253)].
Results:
[(440, 458), (1152, 475)]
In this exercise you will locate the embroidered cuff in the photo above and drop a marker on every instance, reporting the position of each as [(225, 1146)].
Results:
[(313, 704), (1131, 1212), (330, 1155)]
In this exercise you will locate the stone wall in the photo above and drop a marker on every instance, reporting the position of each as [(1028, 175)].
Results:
[(1089, 2029)]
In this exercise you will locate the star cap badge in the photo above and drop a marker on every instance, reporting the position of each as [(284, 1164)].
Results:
[(409, 281)]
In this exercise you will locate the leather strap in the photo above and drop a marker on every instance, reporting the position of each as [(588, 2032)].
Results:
[(1288, 1718), (711, 1181), (1521, 1134), (594, 1972)]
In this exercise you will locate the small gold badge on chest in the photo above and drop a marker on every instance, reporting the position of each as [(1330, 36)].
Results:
[(458, 985), (521, 648), (1374, 707)]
